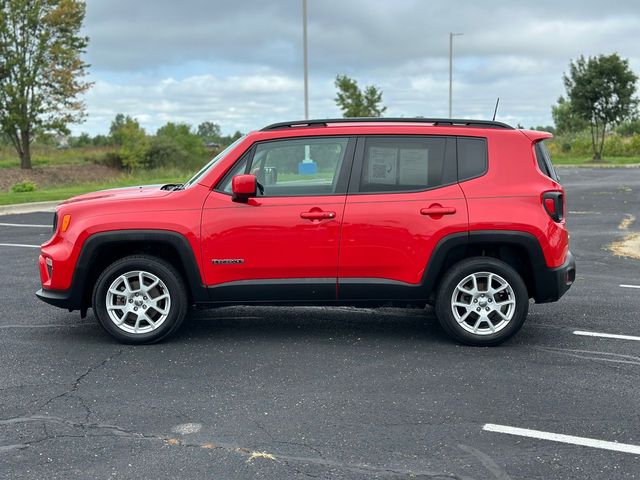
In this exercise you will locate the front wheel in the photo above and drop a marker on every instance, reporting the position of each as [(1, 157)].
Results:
[(482, 301), (140, 299)]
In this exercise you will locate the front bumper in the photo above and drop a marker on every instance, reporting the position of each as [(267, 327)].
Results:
[(60, 298), (553, 283)]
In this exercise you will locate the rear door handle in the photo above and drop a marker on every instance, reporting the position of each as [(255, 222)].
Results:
[(437, 210), (318, 215)]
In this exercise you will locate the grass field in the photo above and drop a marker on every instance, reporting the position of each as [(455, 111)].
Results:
[(66, 191), (49, 156), (562, 160)]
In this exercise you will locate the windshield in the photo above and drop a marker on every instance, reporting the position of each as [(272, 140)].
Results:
[(204, 170)]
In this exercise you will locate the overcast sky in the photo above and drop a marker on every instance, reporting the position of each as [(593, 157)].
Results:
[(239, 63)]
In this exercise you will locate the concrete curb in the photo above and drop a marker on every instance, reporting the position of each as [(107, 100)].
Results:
[(28, 207)]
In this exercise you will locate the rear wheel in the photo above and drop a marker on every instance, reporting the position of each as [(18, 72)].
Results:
[(482, 301), (140, 299)]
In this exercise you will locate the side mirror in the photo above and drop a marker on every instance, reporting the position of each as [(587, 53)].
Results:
[(243, 187)]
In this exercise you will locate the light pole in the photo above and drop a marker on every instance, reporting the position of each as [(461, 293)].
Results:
[(451, 35), (305, 59)]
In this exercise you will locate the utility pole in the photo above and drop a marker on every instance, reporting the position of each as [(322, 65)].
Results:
[(451, 35), (305, 59)]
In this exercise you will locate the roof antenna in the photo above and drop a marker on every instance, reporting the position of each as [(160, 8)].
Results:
[(495, 110)]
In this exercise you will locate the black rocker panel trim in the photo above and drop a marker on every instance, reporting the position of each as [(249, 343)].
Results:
[(278, 290)]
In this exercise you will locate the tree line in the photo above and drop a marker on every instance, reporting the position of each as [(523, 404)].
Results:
[(173, 145)]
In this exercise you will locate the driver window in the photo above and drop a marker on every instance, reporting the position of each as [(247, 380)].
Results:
[(305, 166)]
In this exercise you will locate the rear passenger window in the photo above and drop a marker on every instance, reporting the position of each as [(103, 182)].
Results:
[(404, 164), (472, 157)]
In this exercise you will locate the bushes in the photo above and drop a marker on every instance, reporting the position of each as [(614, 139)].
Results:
[(173, 146), (176, 146), (165, 152), (24, 186), (615, 145)]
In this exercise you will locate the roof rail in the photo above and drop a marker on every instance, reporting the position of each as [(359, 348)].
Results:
[(435, 121)]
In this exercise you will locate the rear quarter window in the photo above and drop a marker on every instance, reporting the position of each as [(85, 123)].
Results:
[(472, 157), (543, 157)]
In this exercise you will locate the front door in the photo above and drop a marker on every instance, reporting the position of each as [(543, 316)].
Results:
[(283, 244), (403, 198)]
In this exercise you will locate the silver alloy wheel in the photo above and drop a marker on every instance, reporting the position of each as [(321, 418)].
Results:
[(138, 302), (483, 303)]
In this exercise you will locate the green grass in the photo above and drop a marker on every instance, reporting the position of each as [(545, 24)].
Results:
[(568, 160), (46, 156), (67, 191)]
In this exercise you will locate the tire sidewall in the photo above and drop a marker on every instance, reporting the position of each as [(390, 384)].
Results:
[(475, 265), (172, 281)]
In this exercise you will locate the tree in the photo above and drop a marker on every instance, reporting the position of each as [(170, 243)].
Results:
[(629, 128), (544, 128), (118, 126), (357, 103), (127, 133), (601, 92), (134, 145), (181, 134), (565, 118), (187, 143), (209, 131), (41, 72), (83, 140)]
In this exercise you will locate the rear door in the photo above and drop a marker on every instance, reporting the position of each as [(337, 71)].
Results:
[(403, 198)]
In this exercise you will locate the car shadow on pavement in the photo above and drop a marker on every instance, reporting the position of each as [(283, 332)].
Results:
[(309, 323), (344, 325)]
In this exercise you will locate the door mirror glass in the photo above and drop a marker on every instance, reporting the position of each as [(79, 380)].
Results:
[(243, 187)]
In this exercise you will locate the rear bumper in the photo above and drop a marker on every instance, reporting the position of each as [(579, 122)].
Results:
[(553, 283)]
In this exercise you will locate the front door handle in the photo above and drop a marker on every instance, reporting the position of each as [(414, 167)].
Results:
[(318, 215), (437, 210)]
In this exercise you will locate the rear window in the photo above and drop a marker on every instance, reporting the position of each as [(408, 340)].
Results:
[(472, 157), (404, 164), (543, 157)]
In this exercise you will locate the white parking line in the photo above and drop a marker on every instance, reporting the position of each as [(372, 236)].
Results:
[(23, 225), (606, 335), (630, 286), (18, 245), (557, 437)]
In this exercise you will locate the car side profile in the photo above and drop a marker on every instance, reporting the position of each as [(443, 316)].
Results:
[(464, 215)]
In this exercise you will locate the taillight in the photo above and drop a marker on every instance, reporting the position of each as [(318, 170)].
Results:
[(554, 205)]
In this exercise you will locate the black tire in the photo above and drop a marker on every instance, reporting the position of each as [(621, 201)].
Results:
[(459, 272), (166, 273)]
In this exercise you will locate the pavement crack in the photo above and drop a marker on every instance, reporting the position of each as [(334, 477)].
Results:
[(106, 429), (288, 442), (76, 385), (291, 461)]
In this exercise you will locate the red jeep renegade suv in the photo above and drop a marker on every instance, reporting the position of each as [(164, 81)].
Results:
[(466, 215)]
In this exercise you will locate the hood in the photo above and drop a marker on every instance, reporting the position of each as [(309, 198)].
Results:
[(146, 191)]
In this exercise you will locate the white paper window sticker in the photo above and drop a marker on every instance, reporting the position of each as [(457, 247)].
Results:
[(414, 166), (382, 165)]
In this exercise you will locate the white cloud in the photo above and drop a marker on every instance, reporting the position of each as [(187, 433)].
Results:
[(240, 63)]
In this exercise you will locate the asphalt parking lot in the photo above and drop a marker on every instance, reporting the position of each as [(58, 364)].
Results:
[(280, 393)]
